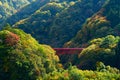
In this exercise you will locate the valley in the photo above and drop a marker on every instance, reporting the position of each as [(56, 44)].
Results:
[(59, 40)]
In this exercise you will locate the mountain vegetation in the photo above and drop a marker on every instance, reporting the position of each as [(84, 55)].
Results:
[(9, 7), (104, 22), (91, 25), (56, 20), (25, 11), (104, 50), (23, 58)]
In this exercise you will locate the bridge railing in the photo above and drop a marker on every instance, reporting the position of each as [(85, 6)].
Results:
[(60, 51)]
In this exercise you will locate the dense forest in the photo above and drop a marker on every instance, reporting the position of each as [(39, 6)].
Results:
[(23, 58), (105, 22), (9, 7), (31, 29), (50, 16)]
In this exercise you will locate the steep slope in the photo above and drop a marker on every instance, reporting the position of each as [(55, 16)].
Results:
[(105, 49), (67, 23), (58, 23), (25, 11), (22, 58), (40, 22), (9, 7), (104, 22)]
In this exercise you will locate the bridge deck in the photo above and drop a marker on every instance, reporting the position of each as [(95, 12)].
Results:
[(60, 51)]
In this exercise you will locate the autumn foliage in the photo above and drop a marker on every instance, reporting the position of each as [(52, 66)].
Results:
[(11, 39)]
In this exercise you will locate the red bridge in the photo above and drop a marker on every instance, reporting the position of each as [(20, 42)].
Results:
[(60, 51)]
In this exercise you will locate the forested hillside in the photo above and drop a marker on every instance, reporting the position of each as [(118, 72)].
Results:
[(9, 7), (22, 58), (57, 22), (93, 25), (25, 11), (105, 49), (104, 22)]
